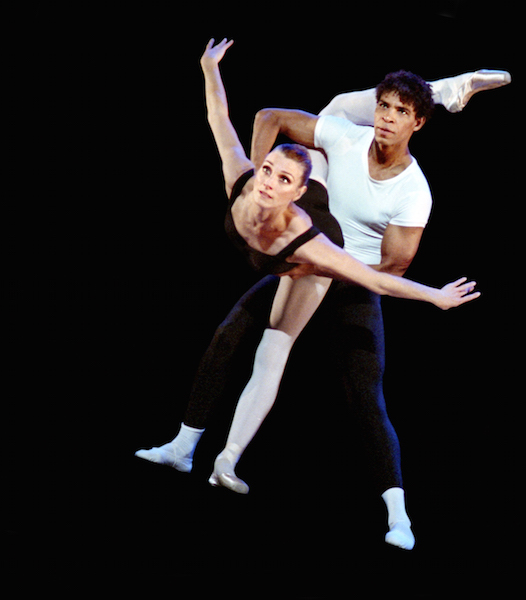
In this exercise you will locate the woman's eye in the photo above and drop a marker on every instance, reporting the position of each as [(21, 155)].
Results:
[(285, 180)]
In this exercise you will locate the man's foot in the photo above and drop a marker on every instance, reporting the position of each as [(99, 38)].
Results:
[(456, 92), (168, 455), (400, 535)]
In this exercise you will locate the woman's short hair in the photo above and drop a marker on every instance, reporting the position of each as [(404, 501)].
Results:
[(301, 155), (412, 90)]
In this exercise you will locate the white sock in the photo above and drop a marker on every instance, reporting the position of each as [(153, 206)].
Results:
[(399, 533), (178, 453), (257, 398)]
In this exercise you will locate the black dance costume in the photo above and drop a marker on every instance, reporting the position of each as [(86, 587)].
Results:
[(314, 203)]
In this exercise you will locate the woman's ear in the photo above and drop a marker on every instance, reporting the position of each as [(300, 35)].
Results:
[(300, 193)]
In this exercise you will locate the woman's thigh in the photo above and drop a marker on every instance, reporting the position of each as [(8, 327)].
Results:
[(296, 301)]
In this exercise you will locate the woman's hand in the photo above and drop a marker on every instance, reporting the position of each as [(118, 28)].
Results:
[(456, 293), (214, 54)]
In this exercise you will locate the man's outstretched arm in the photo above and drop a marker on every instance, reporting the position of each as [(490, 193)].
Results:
[(297, 125)]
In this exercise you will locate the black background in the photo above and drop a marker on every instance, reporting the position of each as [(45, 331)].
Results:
[(119, 272)]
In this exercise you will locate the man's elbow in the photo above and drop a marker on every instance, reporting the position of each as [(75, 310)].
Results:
[(396, 266), (267, 117)]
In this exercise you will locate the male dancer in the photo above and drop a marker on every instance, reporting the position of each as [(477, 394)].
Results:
[(391, 246)]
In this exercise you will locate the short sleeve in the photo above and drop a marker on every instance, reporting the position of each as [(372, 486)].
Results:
[(330, 130), (413, 210)]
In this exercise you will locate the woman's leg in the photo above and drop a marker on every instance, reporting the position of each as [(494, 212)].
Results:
[(294, 304), (452, 92)]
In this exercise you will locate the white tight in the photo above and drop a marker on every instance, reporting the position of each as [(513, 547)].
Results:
[(294, 304)]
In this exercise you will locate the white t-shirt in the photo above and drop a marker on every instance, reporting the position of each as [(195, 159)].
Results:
[(364, 206)]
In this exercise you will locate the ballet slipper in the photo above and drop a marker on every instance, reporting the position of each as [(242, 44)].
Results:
[(468, 84), (224, 476)]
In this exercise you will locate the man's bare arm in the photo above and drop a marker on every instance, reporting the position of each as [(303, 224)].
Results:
[(399, 247), (297, 125)]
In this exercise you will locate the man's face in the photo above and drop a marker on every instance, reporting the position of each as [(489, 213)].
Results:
[(395, 121)]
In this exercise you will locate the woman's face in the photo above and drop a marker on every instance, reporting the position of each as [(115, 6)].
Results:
[(278, 181)]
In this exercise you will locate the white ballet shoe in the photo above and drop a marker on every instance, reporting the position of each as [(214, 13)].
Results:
[(463, 87), (168, 455), (400, 535), (224, 476)]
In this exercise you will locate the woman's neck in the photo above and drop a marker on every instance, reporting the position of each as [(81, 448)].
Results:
[(268, 220)]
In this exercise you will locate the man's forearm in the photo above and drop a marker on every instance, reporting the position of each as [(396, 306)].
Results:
[(297, 125), (264, 133), (391, 267)]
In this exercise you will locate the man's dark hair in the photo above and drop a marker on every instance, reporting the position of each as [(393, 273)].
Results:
[(411, 89)]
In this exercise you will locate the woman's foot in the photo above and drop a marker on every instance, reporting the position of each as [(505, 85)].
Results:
[(224, 476), (456, 92)]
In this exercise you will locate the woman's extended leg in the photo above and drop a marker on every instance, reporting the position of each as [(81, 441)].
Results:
[(452, 92), (294, 304)]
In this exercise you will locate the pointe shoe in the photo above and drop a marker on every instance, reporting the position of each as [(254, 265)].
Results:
[(469, 84), (167, 455), (400, 535), (224, 476)]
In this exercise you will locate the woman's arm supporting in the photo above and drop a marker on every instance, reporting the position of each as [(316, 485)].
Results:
[(332, 261), (233, 156)]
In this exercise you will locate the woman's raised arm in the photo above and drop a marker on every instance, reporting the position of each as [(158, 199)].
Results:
[(233, 156)]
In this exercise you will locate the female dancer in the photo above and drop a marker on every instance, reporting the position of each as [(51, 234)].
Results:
[(266, 223)]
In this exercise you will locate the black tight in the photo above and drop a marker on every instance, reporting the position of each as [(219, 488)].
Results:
[(350, 327)]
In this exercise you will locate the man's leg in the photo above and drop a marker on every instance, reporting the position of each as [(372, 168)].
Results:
[(224, 369), (356, 334)]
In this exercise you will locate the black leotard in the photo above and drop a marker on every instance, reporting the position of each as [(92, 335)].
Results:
[(315, 202)]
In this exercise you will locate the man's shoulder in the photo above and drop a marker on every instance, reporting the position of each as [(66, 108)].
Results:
[(330, 129), (416, 176)]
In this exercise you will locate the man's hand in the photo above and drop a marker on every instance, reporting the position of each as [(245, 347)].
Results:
[(300, 271)]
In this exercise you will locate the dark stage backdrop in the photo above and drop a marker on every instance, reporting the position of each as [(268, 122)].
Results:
[(129, 272)]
